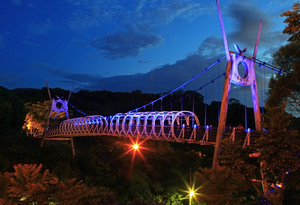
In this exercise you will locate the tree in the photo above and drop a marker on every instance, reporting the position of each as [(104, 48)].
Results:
[(279, 148), (12, 112), (37, 114), (36, 117), (293, 20), (29, 185), (218, 186), (286, 87)]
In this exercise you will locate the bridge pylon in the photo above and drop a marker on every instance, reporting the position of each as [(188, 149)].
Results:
[(58, 105), (232, 76)]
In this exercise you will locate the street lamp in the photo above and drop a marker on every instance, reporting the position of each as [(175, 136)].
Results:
[(191, 196), (135, 146)]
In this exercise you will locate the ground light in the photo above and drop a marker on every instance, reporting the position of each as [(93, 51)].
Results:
[(135, 146), (191, 193), (191, 196)]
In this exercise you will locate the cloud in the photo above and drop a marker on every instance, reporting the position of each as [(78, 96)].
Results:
[(94, 13), (246, 25), (211, 47), (131, 42), (247, 20), (125, 44), (41, 28), (140, 61), (136, 22), (161, 79), (81, 79)]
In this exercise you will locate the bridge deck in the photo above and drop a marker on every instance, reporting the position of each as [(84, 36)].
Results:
[(203, 135)]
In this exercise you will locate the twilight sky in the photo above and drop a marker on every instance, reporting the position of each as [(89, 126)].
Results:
[(125, 45)]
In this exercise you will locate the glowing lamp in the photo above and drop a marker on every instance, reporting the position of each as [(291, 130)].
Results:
[(135, 146), (191, 196)]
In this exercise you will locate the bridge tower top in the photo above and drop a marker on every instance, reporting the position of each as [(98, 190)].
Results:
[(58, 104)]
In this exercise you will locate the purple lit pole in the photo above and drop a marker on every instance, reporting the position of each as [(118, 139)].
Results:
[(256, 108), (225, 98)]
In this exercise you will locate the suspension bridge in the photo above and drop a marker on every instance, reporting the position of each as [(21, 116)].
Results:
[(175, 125)]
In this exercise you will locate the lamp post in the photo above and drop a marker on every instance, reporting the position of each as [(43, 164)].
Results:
[(191, 196)]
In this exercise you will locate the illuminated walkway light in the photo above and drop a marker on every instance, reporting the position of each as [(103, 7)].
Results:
[(192, 193), (135, 146), (191, 196)]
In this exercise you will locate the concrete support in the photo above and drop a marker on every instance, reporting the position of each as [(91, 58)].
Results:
[(72, 145)]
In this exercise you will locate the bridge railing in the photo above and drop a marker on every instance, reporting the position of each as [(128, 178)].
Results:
[(174, 125), (248, 136)]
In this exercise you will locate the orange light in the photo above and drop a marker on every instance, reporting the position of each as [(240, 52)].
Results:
[(135, 146)]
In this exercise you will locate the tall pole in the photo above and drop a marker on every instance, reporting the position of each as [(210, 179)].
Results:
[(254, 91), (223, 33), (225, 98), (257, 116)]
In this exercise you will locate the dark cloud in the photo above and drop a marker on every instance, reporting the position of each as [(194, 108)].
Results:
[(143, 15), (125, 44), (161, 79), (211, 47), (82, 80), (246, 25), (130, 43), (247, 20), (140, 61)]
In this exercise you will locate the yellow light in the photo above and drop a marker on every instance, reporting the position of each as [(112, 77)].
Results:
[(135, 146), (192, 193), (28, 125)]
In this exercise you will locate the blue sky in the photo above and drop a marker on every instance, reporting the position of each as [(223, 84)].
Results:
[(125, 45)]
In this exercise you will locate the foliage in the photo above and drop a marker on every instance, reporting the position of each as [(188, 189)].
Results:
[(37, 116), (218, 186), (159, 170), (29, 185), (12, 112), (293, 21), (286, 87), (237, 159), (279, 148)]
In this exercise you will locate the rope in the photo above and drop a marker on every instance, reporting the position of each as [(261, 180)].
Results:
[(205, 102), (193, 100), (245, 108), (219, 94), (79, 111), (179, 87)]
